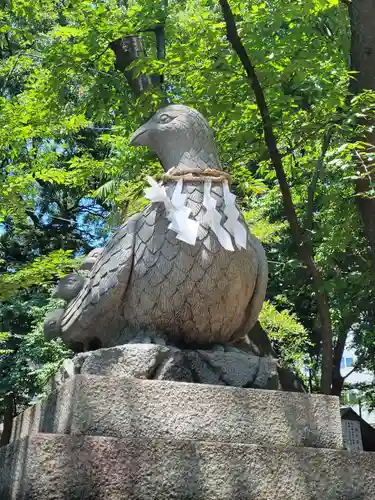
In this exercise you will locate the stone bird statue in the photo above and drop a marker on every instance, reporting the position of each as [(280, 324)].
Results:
[(205, 291)]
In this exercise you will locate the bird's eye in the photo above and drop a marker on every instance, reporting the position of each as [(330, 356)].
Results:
[(164, 118)]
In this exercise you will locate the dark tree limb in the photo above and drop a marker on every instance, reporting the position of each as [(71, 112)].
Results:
[(355, 367), (314, 181), (160, 40), (8, 419), (6, 36), (34, 218), (299, 238), (131, 48), (98, 56), (338, 351), (127, 50), (92, 212), (292, 148), (10, 73)]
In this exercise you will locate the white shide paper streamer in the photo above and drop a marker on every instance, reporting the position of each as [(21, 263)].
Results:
[(212, 218), (232, 224), (187, 229), (177, 212)]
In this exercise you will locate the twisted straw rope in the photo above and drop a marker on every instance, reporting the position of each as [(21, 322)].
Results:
[(195, 175)]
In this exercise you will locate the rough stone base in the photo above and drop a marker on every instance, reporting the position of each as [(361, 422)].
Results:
[(221, 365), (124, 407), (52, 467)]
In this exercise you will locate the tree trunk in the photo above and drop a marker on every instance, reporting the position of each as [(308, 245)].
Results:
[(337, 382), (362, 23), (8, 419), (127, 50), (337, 379), (299, 237)]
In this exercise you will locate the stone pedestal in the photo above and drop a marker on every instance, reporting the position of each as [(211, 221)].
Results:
[(131, 408), (116, 438)]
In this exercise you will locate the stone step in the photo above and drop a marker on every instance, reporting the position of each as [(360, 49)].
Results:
[(122, 407), (62, 467)]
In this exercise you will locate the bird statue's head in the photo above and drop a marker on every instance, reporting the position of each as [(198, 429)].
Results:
[(180, 136)]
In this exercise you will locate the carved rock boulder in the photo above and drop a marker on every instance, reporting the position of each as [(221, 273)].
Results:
[(221, 365)]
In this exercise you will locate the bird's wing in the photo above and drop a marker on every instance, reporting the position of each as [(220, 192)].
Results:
[(255, 304), (97, 303)]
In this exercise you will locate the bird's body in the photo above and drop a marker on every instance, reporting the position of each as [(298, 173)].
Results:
[(146, 278)]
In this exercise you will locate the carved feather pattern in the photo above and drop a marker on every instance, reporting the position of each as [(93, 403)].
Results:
[(145, 277)]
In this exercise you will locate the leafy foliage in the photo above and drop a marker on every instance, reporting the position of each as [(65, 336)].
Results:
[(39, 273), (4, 336), (29, 363), (289, 337)]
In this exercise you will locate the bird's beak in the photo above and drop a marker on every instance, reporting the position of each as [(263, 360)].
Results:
[(139, 138)]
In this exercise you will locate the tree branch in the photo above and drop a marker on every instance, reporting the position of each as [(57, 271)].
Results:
[(127, 50), (355, 367), (293, 148), (98, 56), (337, 379), (91, 212), (8, 419), (340, 346), (8, 43), (33, 217), (314, 181), (10, 73), (298, 237)]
